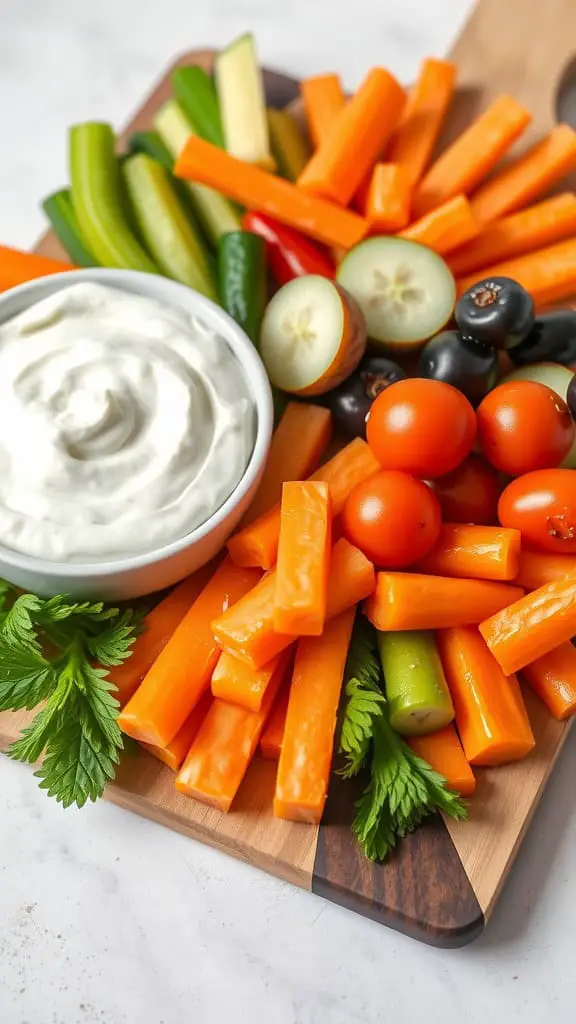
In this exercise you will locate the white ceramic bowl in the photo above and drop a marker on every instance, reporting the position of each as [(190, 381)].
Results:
[(126, 578)]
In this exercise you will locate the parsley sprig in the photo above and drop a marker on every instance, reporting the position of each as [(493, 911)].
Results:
[(403, 789), (57, 652)]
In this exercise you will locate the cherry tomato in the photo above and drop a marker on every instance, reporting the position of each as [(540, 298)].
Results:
[(424, 427), (393, 518), (524, 426), (470, 493), (542, 505)]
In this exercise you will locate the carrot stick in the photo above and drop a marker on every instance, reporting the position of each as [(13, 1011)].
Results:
[(271, 742), (306, 755), (181, 674), (17, 267), (446, 227), (236, 682), (323, 99), (257, 544), (490, 713), (356, 139), (298, 443), (303, 558), (529, 176), (540, 567), (413, 142), (205, 164), (443, 752), (404, 600), (475, 152), (534, 625), (224, 746), (548, 274), (174, 753), (159, 625), (388, 198), (536, 226), (474, 552), (247, 630), (553, 679)]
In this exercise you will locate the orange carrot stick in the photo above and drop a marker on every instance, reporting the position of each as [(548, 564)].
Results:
[(298, 443), (356, 139), (548, 274), (224, 746), (404, 600), (413, 142), (534, 625), (536, 226), (306, 755), (303, 558), (446, 227), (17, 267), (159, 625), (443, 752), (205, 164), (323, 99), (257, 544), (271, 742), (490, 713), (553, 679), (474, 552), (526, 178), (539, 567), (236, 682), (174, 753), (475, 152), (248, 629), (181, 674), (388, 198)]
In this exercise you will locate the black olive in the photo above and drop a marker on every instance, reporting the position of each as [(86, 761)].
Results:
[(466, 364), (350, 402), (496, 311), (551, 340), (571, 396)]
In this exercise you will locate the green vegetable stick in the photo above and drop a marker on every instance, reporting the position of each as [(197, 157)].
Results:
[(97, 199), (165, 228), (418, 697), (196, 93), (290, 148), (60, 212), (242, 280)]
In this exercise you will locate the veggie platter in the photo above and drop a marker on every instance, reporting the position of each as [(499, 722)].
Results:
[(437, 538)]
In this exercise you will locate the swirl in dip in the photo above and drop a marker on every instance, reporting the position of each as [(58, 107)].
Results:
[(124, 424)]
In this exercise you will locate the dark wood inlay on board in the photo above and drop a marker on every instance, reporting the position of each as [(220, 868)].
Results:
[(421, 890)]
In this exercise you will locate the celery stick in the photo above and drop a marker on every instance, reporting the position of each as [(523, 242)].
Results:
[(60, 212), (419, 701), (290, 147), (196, 94), (97, 199), (242, 104), (165, 228)]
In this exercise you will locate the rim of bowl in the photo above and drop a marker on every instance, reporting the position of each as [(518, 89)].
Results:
[(152, 286)]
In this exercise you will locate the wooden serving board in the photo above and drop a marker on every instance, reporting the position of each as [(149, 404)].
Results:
[(442, 884)]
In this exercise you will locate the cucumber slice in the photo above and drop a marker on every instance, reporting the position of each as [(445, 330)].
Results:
[(165, 228), (97, 198), (313, 336), (151, 144), (242, 281), (419, 701), (290, 148), (216, 214), (196, 93), (405, 290), (555, 376), (242, 105), (60, 212)]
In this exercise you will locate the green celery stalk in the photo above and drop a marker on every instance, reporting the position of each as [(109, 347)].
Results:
[(196, 94), (60, 212)]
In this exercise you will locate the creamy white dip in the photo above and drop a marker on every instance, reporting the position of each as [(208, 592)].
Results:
[(124, 424)]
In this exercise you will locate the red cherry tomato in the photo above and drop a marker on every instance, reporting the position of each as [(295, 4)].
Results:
[(542, 505), (419, 426), (470, 493), (393, 518), (524, 426)]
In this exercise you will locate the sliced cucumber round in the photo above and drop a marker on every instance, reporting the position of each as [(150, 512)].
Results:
[(418, 697), (405, 290)]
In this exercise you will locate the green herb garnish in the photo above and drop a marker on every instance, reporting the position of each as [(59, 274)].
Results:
[(57, 652), (403, 789)]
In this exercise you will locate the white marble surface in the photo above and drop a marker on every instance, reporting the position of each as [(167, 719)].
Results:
[(108, 919)]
